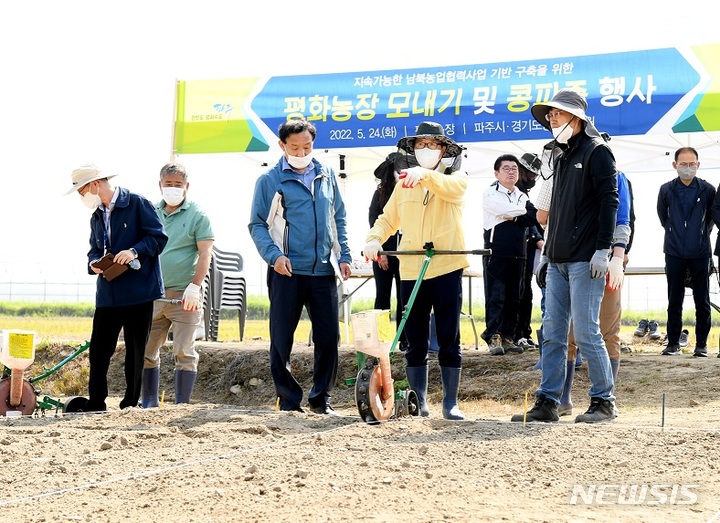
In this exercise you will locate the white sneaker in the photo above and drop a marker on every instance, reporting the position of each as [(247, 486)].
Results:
[(654, 330), (684, 338)]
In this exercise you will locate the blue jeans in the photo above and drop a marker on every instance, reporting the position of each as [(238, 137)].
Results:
[(572, 294)]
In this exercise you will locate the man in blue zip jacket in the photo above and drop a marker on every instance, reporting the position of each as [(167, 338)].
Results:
[(685, 210), (298, 225), (124, 224)]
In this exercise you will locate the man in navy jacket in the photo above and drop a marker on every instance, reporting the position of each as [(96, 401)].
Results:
[(685, 210), (126, 225)]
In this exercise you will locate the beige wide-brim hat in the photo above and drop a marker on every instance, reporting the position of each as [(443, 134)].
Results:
[(569, 101), (86, 174)]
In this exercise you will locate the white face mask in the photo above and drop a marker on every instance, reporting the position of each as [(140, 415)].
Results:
[(427, 157), (563, 134), (173, 196), (91, 201), (299, 162)]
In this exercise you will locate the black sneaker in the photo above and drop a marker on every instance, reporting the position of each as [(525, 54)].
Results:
[(700, 351), (673, 349), (599, 410), (508, 345), (545, 410), (642, 328), (684, 338), (653, 330)]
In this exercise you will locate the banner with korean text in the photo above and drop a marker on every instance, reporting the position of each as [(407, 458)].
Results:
[(669, 90)]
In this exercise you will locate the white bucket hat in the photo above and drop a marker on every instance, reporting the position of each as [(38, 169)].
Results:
[(86, 174), (569, 101)]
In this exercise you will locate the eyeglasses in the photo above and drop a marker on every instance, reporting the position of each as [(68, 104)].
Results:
[(433, 146), (509, 169), (554, 115), (685, 165)]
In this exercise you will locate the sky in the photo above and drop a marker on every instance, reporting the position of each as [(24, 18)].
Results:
[(94, 82)]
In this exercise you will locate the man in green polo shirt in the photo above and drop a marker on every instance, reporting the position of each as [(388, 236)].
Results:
[(184, 264)]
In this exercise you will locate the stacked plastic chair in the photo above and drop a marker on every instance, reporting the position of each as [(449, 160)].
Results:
[(227, 290), (208, 333)]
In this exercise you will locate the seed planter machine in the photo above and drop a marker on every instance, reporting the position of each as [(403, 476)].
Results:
[(375, 396), (18, 394)]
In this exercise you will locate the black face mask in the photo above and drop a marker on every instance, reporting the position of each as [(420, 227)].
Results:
[(526, 185)]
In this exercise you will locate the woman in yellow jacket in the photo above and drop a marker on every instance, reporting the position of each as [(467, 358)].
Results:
[(427, 206)]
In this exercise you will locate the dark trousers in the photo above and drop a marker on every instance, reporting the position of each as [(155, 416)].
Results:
[(135, 321), (675, 269), (288, 296), (525, 306), (443, 294), (501, 278), (384, 279)]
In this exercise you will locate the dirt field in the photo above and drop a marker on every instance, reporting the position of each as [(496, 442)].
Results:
[(230, 457)]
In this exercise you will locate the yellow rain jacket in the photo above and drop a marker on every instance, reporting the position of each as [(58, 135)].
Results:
[(429, 212)]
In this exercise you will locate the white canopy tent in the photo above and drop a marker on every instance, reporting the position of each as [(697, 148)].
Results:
[(646, 160), (237, 115)]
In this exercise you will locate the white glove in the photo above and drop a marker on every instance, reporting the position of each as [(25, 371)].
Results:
[(191, 297), (600, 263), (410, 177), (371, 250), (616, 272)]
